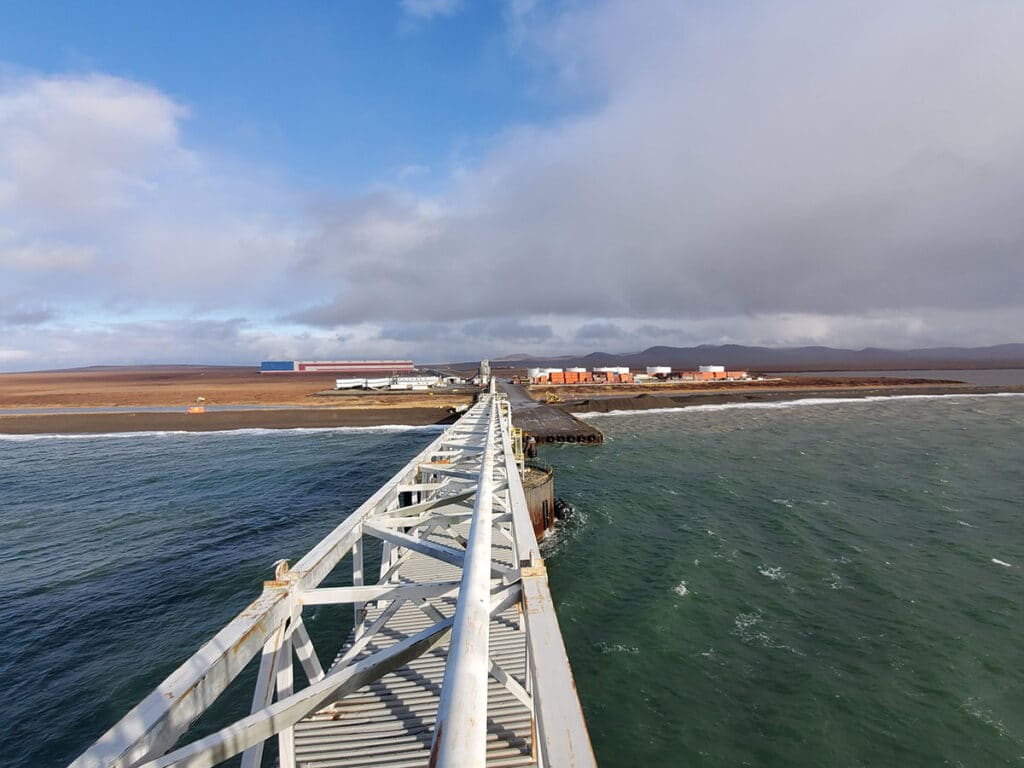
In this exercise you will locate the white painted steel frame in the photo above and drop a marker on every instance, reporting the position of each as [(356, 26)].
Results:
[(471, 461)]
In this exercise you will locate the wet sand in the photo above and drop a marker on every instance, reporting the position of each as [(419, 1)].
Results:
[(141, 421)]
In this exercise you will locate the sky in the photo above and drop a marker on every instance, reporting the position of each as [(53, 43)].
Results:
[(450, 179)]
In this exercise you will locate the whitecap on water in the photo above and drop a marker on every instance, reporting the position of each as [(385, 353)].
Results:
[(604, 647), (772, 572), (1001, 562), (745, 621), (680, 589), (786, 404)]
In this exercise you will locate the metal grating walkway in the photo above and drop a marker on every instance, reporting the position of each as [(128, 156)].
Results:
[(455, 660), (391, 721)]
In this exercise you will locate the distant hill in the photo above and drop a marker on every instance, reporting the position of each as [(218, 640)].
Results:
[(735, 356)]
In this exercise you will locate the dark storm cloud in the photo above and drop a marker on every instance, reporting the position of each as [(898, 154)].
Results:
[(783, 172), (509, 329), (599, 332), (414, 332), (830, 159)]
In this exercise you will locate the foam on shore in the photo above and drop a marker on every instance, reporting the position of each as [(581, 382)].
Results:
[(783, 404), (384, 428)]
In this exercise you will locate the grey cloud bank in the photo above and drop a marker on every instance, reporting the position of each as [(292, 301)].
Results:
[(782, 173)]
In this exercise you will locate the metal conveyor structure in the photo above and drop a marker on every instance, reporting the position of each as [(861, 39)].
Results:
[(455, 659)]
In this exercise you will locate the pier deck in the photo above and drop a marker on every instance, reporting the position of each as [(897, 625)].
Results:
[(455, 660), (391, 722), (548, 423)]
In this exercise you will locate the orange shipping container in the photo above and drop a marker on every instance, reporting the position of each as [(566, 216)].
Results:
[(557, 378)]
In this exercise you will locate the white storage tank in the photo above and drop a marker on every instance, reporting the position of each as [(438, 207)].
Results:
[(659, 370), (575, 370), (620, 370), (533, 373), (712, 369), (553, 370), (606, 369)]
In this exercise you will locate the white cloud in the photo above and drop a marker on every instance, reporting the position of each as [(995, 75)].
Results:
[(102, 203), (40, 257), (837, 173), (827, 160), (83, 146)]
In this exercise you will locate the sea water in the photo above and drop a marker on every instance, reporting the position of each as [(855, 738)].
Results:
[(823, 583)]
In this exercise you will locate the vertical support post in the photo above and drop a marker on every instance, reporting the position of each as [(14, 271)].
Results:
[(286, 738), (460, 736), (266, 679), (306, 652), (358, 611), (386, 560)]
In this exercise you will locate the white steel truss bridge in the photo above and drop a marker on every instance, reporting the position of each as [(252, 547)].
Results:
[(455, 658)]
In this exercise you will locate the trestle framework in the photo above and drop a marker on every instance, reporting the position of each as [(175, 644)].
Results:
[(455, 658)]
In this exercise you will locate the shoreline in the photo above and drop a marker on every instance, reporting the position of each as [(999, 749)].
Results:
[(219, 421), (645, 402), (78, 423)]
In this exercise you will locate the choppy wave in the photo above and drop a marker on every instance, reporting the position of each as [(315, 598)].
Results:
[(784, 404)]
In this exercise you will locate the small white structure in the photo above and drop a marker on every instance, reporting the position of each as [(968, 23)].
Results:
[(659, 370), (712, 369), (617, 369), (392, 382)]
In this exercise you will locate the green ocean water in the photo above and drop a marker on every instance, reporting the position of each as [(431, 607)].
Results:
[(801, 585), (782, 585)]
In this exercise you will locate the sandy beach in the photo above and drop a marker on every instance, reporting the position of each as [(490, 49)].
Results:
[(74, 399), (274, 401)]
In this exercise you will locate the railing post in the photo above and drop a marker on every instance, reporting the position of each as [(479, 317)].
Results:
[(358, 613), (285, 688)]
